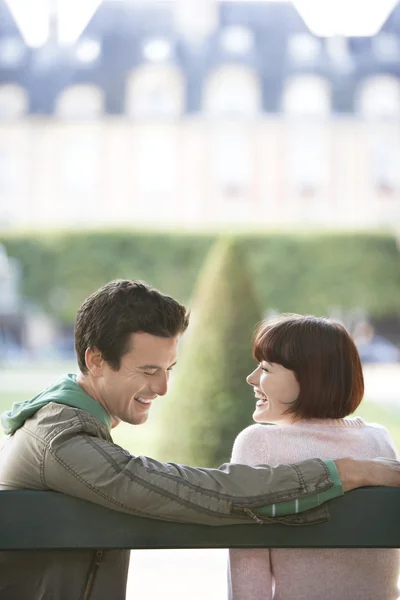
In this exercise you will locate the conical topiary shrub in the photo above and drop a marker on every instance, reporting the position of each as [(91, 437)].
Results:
[(210, 401)]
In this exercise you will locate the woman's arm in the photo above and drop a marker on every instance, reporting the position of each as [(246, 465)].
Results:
[(249, 571)]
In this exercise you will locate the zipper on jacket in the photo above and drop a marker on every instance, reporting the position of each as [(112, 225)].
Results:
[(255, 517), (92, 574)]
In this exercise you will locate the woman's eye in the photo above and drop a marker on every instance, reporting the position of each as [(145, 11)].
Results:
[(149, 373), (264, 369)]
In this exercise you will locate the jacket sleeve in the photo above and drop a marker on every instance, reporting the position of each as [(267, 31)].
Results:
[(79, 463)]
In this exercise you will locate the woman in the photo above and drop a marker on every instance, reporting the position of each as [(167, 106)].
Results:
[(308, 379)]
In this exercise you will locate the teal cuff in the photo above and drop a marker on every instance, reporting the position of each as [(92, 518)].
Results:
[(337, 489), (292, 507)]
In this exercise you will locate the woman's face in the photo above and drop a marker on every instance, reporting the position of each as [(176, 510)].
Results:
[(275, 388)]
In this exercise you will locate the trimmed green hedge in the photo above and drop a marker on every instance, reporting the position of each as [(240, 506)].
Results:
[(210, 401), (60, 271), (317, 273), (303, 273)]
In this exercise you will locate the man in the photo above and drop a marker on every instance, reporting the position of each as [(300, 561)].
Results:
[(126, 340)]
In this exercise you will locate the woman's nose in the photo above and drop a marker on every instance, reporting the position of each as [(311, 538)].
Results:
[(251, 378)]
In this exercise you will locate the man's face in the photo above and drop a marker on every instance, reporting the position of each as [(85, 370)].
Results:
[(127, 394)]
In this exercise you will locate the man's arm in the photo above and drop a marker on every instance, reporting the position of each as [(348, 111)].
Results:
[(347, 474), (80, 464), (300, 505), (77, 462), (97, 470)]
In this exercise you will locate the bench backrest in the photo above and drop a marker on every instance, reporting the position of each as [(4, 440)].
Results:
[(368, 517)]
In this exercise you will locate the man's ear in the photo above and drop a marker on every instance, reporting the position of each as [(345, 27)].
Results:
[(94, 361)]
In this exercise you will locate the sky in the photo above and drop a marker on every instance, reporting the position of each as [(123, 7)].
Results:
[(323, 17)]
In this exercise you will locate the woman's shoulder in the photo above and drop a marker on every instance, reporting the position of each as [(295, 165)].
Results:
[(356, 425), (255, 432), (250, 443), (374, 428), (380, 437), (351, 423)]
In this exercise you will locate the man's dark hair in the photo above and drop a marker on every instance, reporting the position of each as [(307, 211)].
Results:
[(109, 316)]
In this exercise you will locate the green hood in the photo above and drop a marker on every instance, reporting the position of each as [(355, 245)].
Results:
[(66, 391)]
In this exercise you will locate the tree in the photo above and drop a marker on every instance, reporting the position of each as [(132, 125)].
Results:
[(210, 401)]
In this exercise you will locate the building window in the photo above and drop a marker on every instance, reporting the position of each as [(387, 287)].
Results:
[(13, 178), (306, 96), (156, 159), (10, 172), (308, 161), (13, 101), (88, 51), (83, 102), (80, 163), (195, 20), (232, 161), (155, 91), (385, 163), (379, 98), (237, 40), (232, 91), (157, 50), (303, 48)]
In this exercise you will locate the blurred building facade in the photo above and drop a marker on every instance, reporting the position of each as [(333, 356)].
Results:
[(227, 113)]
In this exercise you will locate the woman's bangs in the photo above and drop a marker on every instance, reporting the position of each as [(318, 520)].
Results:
[(270, 344)]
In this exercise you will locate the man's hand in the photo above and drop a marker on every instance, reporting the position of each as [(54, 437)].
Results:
[(356, 473)]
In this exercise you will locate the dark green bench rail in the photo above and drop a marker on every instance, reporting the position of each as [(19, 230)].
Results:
[(368, 517)]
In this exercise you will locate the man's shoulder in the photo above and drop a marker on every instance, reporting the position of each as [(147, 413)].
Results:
[(52, 429), (55, 418), (25, 452)]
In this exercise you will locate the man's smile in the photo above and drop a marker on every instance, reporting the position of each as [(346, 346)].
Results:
[(144, 401)]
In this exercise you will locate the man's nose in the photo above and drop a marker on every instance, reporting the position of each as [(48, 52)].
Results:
[(160, 385)]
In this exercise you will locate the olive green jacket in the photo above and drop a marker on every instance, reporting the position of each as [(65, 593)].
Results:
[(68, 450)]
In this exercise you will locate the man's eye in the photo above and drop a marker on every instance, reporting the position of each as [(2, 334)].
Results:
[(264, 369), (149, 373)]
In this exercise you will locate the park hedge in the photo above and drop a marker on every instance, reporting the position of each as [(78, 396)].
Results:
[(316, 273), (210, 401)]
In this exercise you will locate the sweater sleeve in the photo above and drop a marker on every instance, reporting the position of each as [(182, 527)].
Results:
[(249, 571), (387, 447)]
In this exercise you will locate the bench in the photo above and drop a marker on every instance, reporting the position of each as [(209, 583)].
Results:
[(35, 520)]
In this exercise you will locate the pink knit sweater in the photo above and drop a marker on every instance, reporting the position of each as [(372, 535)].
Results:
[(322, 574)]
